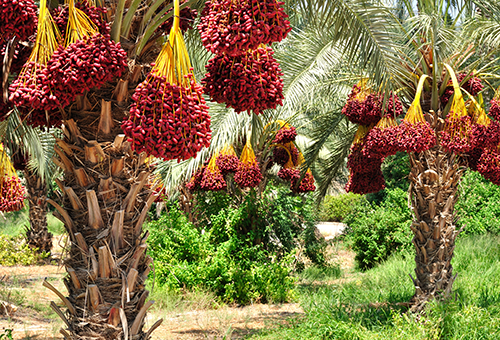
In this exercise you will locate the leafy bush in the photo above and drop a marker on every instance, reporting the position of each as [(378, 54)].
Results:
[(291, 221), (217, 259), (336, 208), (477, 206), (395, 169), (375, 232), (15, 251)]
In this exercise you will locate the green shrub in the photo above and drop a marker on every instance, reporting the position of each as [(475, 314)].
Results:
[(395, 169), (217, 259), (15, 251), (291, 219), (375, 232), (477, 207), (336, 208)]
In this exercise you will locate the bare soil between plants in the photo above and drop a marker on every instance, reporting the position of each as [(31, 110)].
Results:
[(34, 319)]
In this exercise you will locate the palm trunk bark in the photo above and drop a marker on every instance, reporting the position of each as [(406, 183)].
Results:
[(37, 234), (434, 178), (105, 202)]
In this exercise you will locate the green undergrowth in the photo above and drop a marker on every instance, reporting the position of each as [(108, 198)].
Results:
[(368, 305), (14, 223), (14, 251)]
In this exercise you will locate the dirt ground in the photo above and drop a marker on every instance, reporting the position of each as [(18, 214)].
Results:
[(34, 319)]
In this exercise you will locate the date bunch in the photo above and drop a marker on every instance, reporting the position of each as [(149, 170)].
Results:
[(212, 179), (365, 174), (194, 183), (168, 121), (489, 165), (17, 18), (86, 64), (233, 27), (247, 82), (365, 108), (227, 163), (382, 140), (248, 175), (12, 194), (285, 135)]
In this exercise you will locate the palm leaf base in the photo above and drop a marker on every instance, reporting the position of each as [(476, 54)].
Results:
[(105, 201), (434, 179)]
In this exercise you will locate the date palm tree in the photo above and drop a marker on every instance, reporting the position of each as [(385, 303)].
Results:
[(394, 47), (32, 149), (104, 189)]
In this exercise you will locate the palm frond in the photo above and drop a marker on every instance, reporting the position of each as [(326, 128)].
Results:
[(37, 144)]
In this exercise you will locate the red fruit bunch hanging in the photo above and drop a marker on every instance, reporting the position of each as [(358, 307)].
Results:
[(365, 175), (285, 135), (365, 108), (227, 161), (17, 18), (169, 118), (96, 15), (248, 174), (12, 192), (88, 58), (354, 108), (194, 184), (456, 135), (495, 107), (235, 26), (382, 140), (473, 86), (473, 158), (212, 179), (365, 183), (305, 185), (288, 174), (489, 165), (187, 17), (168, 121), (34, 91), (414, 133), (358, 162), (87, 63), (249, 82), (484, 132)]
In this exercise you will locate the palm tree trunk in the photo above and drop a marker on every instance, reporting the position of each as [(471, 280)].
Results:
[(37, 234), (434, 179), (105, 202)]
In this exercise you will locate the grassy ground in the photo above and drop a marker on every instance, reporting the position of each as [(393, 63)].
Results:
[(14, 223), (368, 305), (337, 303)]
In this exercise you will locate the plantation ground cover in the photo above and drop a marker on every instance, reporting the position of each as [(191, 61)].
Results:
[(338, 303), (371, 305)]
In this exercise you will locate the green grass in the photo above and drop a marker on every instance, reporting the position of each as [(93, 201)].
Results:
[(14, 223), (363, 305)]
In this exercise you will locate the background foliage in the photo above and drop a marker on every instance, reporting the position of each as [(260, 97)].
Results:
[(243, 253)]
